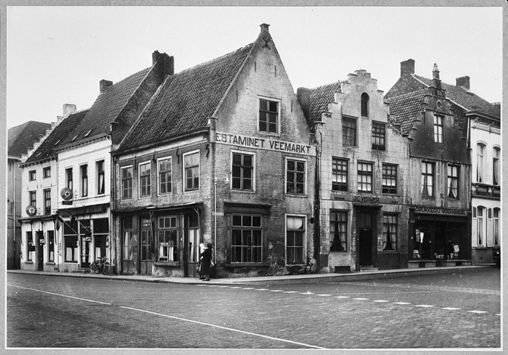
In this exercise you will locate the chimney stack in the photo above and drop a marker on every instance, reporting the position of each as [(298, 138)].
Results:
[(104, 84), (155, 57), (407, 67), (68, 109), (264, 27), (435, 77), (168, 63), (463, 82)]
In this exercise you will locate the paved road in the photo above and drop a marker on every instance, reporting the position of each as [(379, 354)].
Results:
[(456, 310)]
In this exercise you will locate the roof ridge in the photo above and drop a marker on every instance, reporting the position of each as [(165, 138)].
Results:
[(407, 94), (329, 84)]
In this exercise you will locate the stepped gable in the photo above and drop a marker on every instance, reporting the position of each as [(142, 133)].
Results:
[(465, 98), (55, 139), (185, 101), (106, 108), (405, 109), (22, 138)]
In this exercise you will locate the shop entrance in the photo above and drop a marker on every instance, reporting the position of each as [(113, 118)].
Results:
[(364, 230), (191, 247), (146, 247), (40, 251)]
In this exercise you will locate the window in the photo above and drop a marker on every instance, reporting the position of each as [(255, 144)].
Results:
[(51, 246), (338, 230), (144, 179), (480, 149), (389, 237), (32, 175), (191, 166), (32, 197), (438, 129), (84, 180), (30, 247), (168, 239), (348, 131), (268, 116), (365, 105), (479, 224), (99, 167), (339, 174), (164, 166), (127, 236), (365, 177), (295, 176), (47, 201), (389, 179), (100, 235), (46, 172), (246, 239), (242, 171), (127, 182), (68, 178), (427, 179), (71, 241), (295, 229), (453, 181), (495, 166), (378, 135), (496, 225)]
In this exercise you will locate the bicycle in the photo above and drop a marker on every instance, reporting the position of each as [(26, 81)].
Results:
[(101, 265)]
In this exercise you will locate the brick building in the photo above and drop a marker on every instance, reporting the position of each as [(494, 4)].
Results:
[(21, 139), (362, 183), (68, 176), (221, 154), (439, 167)]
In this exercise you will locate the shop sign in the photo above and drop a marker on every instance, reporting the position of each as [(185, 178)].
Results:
[(373, 200), (263, 143), (442, 211)]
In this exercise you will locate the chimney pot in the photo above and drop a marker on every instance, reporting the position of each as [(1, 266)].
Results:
[(463, 82), (155, 57), (407, 67), (104, 84), (68, 109), (264, 27)]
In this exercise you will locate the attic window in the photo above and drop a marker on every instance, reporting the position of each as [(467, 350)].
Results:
[(56, 143), (73, 139), (88, 133)]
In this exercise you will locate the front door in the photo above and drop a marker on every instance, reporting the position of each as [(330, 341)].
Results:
[(364, 230), (145, 248), (191, 240), (85, 250), (40, 251)]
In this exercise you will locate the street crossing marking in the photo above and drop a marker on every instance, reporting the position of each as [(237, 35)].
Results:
[(58, 294), (261, 289), (222, 327), (342, 297), (381, 301), (401, 303), (361, 299), (450, 308), (248, 288), (275, 290), (424, 305), (290, 291), (306, 293), (478, 312), (323, 295)]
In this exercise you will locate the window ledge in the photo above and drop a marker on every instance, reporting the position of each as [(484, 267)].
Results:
[(70, 262), (243, 191), (29, 262), (231, 265), (167, 263), (297, 195), (50, 263)]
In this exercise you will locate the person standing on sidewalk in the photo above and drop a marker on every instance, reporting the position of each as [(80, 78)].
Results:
[(206, 261)]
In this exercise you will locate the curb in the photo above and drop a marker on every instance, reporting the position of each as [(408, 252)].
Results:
[(289, 279)]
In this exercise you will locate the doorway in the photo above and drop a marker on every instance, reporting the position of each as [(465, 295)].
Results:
[(364, 229), (40, 251), (191, 240), (145, 247)]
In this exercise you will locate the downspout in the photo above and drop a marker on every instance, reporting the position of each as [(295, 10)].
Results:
[(112, 207), (211, 139), (14, 220), (317, 196)]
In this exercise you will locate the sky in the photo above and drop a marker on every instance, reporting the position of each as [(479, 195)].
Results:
[(58, 55)]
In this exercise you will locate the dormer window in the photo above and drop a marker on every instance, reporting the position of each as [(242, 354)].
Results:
[(365, 105), (438, 129)]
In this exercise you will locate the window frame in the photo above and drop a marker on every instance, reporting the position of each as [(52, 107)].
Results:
[(253, 171), (159, 180), (193, 188), (149, 175), (341, 186), (496, 224), (46, 172), (481, 216), (334, 246), (438, 128), (83, 180), (450, 179), (51, 246), (47, 201), (424, 179), (32, 198), (364, 104), (269, 99), (30, 247), (376, 136), (251, 248), (384, 235), (294, 193), (69, 178), (496, 157), (75, 255), (122, 179), (32, 175), (304, 239), (480, 161), (98, 173), (360, 173), (168, 238), (389, 189), (345, 128)]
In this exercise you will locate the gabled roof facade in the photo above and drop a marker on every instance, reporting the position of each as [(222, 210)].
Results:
[(185, 101), (320, 97), (21, 138), (405, 109)]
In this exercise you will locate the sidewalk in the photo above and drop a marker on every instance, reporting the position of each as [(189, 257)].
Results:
[(286, 279)]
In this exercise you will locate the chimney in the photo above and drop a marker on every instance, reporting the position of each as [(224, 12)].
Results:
[(303, 97), (155, 57), (407, 67), (68, 109), (463, 82), (168, 63), (435, 77), (104, 84), (264, 27)]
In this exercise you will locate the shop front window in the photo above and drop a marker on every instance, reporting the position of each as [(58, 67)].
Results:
[(338, 230), (71, 241), (127, 236), (295, 235), (389, 238), (480, 221), (51, 246), (30, 247), (168, 239), (246, 239)]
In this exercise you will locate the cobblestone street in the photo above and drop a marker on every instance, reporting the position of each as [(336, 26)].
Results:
[(454, 310)]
